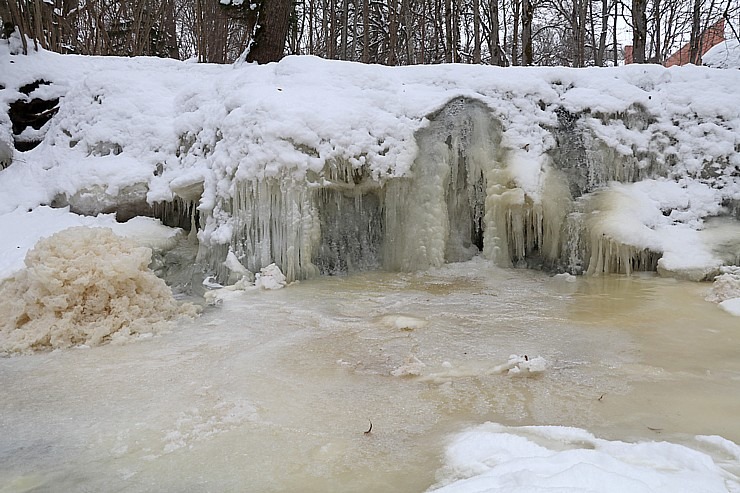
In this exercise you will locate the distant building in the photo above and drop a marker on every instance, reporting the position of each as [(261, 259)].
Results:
[(710, 37)]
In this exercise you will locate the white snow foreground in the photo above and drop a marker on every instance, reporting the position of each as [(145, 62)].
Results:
[(494, 458), (322, 167)]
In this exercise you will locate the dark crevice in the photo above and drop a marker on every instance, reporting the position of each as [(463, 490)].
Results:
[(34, 113), (29, 88)]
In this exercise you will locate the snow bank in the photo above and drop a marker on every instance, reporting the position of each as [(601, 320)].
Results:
[(731, 306), (495, 458), (83, 286), (723, 55)]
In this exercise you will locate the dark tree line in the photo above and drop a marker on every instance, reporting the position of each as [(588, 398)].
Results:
[(574, 33)]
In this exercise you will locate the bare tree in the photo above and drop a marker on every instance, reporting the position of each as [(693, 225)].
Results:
[(639, 30), (7, 18), (272, 31), (601, 48), (527, 15)]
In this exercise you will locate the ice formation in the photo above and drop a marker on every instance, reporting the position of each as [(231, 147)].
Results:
[(515, 366), (580, 171), (726, 290), (726, 286), (524, 366), (83, 286), (270, 277)]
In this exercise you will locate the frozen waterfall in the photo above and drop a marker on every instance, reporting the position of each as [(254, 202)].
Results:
[(586, 172), (466, 193)]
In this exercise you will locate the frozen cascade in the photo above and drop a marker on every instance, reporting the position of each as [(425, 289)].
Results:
[(349, 201), (462, 198), (469, 190), (529, 226), (343, 219), (574, 244)]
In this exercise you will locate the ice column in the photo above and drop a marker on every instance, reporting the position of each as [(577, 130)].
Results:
[(275, 220)]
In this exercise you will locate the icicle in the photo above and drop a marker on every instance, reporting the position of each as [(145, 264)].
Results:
[(605, 215), (528, 229), (178, 212), (274, 220)]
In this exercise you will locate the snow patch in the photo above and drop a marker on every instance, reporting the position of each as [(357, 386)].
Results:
[(495, 458), (731, 306)]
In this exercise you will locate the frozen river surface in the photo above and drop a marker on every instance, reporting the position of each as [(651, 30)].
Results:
[(274, 390)]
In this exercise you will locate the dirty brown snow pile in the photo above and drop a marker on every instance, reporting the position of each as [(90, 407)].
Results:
[(84, 286)]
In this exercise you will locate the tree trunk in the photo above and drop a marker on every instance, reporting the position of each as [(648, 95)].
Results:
[(601, 50), (448, 31), (614, 32), (515, 33), (582, 31), (8, 21), (269, 40), (170, 29), (476, 31), (17, 19), (694, 42), (344, 32), (494, 44), (407, 22), (366, 31), (657, 56), (639, 30), (527, 14), (392, 58)]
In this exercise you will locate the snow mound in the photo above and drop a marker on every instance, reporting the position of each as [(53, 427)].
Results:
[(405, 323), (565, 277), (84, 286), (496, 458), (724, 55)]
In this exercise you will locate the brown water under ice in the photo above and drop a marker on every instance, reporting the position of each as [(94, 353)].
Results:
[(274, 390)]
